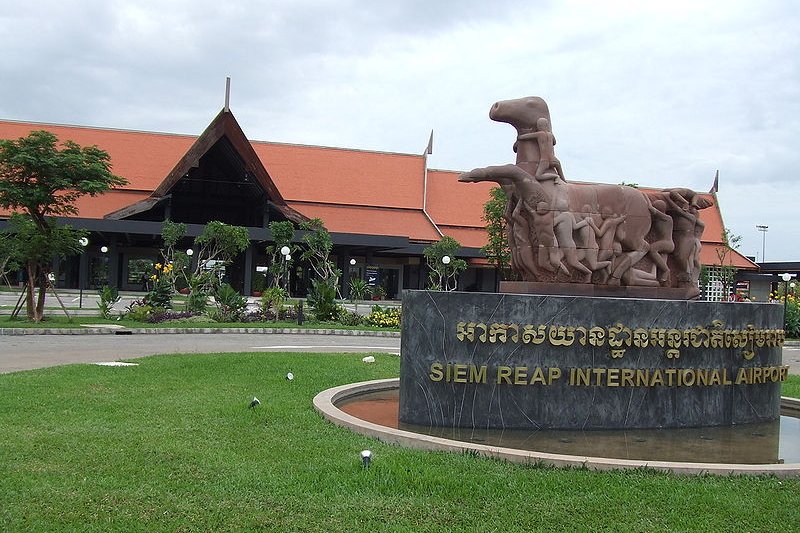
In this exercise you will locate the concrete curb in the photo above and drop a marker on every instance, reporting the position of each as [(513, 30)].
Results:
[(157, 331), (325, 401)]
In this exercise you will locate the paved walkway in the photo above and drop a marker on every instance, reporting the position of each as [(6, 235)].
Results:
[(26, 352)]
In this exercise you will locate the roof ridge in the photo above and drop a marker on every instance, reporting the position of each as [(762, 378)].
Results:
[(97, 128)]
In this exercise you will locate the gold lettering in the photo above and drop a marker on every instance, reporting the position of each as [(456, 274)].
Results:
[(436, 373), (520, 375), (741, 376), (702, 377), (725, 380), (757, 371), (670, 373), (538, 376), (583, 376), (459, 373), (627, 377), (503, 374), (715, 379), (657, 378), (598, 373), (612, 377), (642, 378), (553, 373), (477, 374)]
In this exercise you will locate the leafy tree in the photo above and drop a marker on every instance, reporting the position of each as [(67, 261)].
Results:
[(9, 256), (319, 244), (441, 273), (497, 250), (727, 273), (216, 247), (282, 235), (171, 234), (42, 180)]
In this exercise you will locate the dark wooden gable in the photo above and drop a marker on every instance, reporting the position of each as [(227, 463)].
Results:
[(219, 178)]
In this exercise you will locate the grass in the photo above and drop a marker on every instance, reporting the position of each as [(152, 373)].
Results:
[(56, 321), (170, 445)]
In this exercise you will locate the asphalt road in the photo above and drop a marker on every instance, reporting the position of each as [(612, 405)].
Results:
[(26, 352)]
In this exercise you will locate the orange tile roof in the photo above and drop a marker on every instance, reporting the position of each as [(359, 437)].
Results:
[(339, 176), (353, 191), (469, 237), (710, 257), (370, 220), (456, 204), (143, 158)]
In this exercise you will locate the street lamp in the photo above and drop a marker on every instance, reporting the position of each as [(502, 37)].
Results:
[(352, 262), (190, 252), (84, 242), (786, 277), (286, 253), (763, 230), (445, 262)]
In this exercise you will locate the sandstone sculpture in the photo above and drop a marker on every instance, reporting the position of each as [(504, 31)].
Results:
[(563, 232)]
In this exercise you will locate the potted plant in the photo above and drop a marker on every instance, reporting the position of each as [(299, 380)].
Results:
[(378, 292), (259, 284)]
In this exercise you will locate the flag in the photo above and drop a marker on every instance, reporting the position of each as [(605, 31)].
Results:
[(429, 148), (715, 187)]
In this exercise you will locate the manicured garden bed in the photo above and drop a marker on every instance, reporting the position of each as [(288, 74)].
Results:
[(171, 445)]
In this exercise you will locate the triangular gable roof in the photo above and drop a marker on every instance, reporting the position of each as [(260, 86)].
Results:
[(223, 125)]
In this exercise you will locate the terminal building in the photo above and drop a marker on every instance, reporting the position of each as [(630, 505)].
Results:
[(381, 208)]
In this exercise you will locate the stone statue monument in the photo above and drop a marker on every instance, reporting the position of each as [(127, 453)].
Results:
[(589, 239)]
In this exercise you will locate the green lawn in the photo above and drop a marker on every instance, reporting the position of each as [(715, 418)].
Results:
[(170, 445)]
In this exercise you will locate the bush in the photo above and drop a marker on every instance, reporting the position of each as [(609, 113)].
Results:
[(159, 315), (272, 301), (322, 299), (138, 311), (230, 304), (108, 297), (383, 318), (349, 318)]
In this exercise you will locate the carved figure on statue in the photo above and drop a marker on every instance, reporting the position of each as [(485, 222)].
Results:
[(584, 233)]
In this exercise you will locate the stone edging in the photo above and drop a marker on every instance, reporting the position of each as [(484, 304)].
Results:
[(139, 331), (324, 403)]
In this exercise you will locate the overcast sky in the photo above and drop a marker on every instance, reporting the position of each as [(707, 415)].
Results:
[(657, 93)]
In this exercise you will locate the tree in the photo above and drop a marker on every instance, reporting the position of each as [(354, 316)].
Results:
[(218, 245), (497, 250), (282, 235), (9, 256), (318, 249), (42, 180), (440, 272), (727, 273)]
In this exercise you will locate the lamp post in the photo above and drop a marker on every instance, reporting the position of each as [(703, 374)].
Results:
[(763, 230), (445, 262), (285, 252), (84, 242), (786, 277)]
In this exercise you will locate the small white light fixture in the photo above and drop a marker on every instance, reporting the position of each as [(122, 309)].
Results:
[(83, 241), (289, 376), (285, 250), (190, 252), (254, 403), (446, 260), (104, 249), (366, 458), (368, 359), (289, 257), (786, 276), (352, 262)]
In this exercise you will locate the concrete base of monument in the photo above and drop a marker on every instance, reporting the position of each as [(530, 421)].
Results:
[(586, 289), (511, 361), (382, 423)]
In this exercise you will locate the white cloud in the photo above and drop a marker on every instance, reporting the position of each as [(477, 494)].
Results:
[(659, 93)]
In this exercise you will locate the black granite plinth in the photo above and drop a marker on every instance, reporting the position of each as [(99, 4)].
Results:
[(526, 361)]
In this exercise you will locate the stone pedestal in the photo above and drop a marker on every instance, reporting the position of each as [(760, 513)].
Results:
[(531, 361)]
